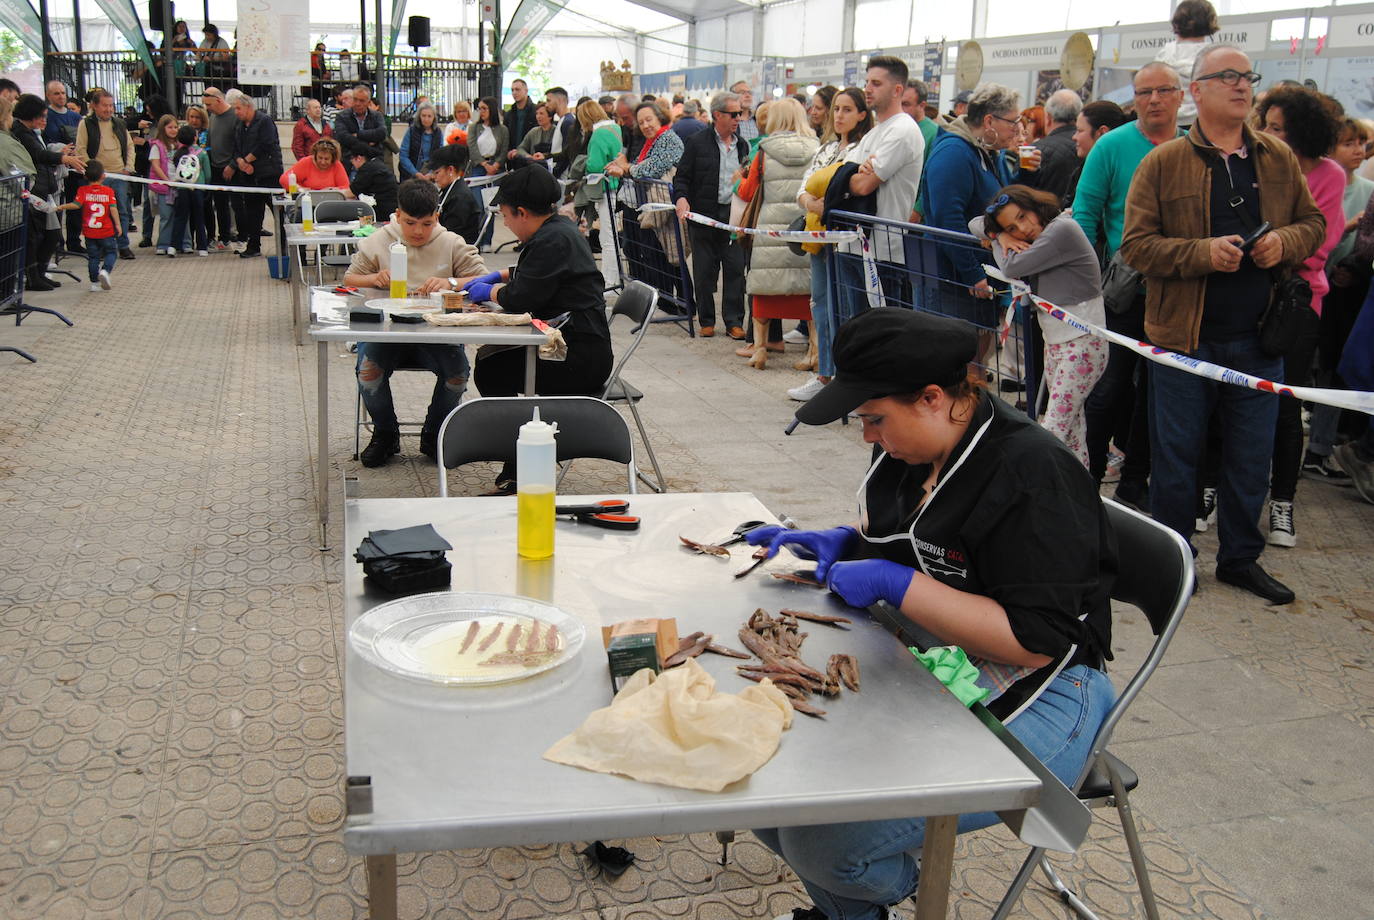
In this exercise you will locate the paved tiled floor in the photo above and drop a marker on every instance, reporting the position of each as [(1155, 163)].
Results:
[(170, 726)]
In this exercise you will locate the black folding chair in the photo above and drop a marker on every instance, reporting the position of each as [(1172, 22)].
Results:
[(486, 429), (1156, 576)]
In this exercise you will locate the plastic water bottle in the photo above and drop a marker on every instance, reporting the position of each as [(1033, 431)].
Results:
[(398, 269), (307, 210), (536, 456), (291, 187)]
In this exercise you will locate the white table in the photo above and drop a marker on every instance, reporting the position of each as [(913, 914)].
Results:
[(297, 241), (326, 333), (433, 768)]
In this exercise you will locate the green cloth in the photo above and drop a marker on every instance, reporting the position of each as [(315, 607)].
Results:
[(951, 667), (1099, 202)]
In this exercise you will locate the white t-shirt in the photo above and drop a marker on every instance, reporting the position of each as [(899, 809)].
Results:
[(898, 150)]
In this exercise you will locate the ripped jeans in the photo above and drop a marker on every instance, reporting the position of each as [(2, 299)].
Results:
[(377, 360), (852, 870)]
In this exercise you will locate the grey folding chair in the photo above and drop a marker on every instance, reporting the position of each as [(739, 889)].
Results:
[(341, 210), (1156, 575), (486, 429), (637, 301)]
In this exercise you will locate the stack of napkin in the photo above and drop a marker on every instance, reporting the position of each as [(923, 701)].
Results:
[(406, 560)]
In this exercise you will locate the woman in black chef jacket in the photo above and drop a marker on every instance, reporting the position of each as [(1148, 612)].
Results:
[(985, 531), (555, 274)]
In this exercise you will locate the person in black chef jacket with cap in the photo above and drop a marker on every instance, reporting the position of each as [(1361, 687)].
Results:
[(986, 532), (555, 274)]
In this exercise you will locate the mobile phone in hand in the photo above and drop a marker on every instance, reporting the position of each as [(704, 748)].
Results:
[(1255, 237)]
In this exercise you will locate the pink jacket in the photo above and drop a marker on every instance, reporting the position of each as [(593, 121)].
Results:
[(1327, 184)]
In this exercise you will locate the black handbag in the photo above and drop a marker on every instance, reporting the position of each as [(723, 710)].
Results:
[(1120, 283)]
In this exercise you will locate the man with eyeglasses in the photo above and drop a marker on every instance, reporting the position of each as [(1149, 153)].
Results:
[(1193, 202), (712, 162), (1119, 403)]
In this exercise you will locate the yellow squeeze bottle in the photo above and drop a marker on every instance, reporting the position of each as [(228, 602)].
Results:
[(398, 269), (536, 455), (307, 213)]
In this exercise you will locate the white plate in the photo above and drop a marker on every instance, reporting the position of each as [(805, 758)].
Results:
[(405, 304), (425, 637)]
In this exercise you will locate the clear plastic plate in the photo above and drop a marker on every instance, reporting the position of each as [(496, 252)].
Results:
[(405, 304), (431, 638)]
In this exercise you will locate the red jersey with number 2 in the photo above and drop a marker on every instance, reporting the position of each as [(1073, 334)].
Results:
[(97, 204)]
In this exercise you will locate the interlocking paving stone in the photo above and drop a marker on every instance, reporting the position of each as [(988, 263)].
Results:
[(170, 646)]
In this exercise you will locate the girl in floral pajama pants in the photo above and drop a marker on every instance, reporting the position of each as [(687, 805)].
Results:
[(1072, 369)]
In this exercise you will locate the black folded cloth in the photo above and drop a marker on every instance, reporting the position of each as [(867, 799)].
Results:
[(406, 560)]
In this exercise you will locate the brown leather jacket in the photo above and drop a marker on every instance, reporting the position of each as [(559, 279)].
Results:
[(1168, 220)]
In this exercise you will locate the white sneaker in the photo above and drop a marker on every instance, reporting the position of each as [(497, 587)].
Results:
[(171, 253), (96, 287), (104, 280), (1281, 530), (1208, 517), (796, 337), (202, 252), (806, 390)]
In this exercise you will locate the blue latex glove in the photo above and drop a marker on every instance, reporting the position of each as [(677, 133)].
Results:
[(479, 291), (488, 279), (825, 546), (864, 582)]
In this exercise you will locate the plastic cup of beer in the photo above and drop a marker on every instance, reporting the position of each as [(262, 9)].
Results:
[(1026, 154)]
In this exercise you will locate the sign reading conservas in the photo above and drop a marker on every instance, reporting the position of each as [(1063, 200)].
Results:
[(1354, 31), (1141, 45), (274, 42)]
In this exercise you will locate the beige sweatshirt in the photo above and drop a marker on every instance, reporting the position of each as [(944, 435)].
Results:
[(444, 256)]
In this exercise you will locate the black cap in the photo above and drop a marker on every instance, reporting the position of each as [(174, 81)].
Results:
[(889, 351), (963, 96), (455, 155), (532, 188)]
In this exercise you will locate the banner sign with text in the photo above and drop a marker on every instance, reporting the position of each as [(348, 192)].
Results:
[(19, 18), (274, 42)]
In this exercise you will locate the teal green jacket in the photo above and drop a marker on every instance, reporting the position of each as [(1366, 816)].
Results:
[(1099, 203), (605, 145)]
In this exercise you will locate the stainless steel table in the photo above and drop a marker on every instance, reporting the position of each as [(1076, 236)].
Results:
[(324, 303), (296, 240), (433, 768)]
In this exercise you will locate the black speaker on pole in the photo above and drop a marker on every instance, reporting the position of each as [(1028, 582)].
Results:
[(155, 20), (419, 32)]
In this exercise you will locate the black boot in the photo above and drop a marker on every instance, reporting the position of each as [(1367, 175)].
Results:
[(383, 446)]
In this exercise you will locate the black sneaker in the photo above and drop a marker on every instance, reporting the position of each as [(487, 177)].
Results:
[(250, 253), (145, 244), (429, 444), (126, 253), (1323, 469), (1133, 494), (382, 447)]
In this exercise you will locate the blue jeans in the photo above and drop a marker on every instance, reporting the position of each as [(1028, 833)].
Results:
[(126, 213), (165, 214), (100, 254), (1180, 406), (851, 870), (823, 312), (377, 361), (852, 291)]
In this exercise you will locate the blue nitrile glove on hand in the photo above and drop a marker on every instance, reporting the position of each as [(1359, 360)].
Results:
[(479, 291), (488, 279), (864, 582), (825, 546)]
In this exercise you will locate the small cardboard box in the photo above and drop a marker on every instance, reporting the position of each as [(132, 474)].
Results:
[(636, 644)]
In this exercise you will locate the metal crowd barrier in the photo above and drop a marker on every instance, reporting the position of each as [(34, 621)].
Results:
[(916, 270), (652, 248)]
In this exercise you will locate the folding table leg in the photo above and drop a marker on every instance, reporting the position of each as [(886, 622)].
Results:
[(381, 887), (937, 865)]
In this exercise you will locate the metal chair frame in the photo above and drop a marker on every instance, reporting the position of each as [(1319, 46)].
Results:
[(339, 209), (1156, 576), (487, 428), (637, 301)]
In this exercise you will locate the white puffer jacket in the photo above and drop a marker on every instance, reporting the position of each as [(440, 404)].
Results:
[(773, 268)]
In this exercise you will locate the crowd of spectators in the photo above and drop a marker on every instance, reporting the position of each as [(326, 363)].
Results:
[(1060, 193)]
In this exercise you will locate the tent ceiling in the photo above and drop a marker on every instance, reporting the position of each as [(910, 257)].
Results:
[(688, 10)]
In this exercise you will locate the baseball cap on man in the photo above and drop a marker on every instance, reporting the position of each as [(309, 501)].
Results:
[(889, 351), (531, 188)]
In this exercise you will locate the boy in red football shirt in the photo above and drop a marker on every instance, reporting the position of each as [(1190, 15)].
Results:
[(99, 225)]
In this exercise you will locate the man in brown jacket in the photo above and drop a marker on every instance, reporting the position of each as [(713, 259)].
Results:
[(1192, 203)]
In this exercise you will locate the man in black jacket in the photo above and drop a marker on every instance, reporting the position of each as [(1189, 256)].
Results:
[(712, 162), (1058, 153), (256, 164), (30, 118), (458, 210), (567, 142), (360, 126), (371, 176), (519, 117)]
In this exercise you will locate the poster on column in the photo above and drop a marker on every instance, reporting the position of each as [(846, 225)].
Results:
[(274, 42), (1351, 81)]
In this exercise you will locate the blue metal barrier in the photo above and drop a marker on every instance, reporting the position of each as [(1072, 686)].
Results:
[(916, 266), (652, 248)]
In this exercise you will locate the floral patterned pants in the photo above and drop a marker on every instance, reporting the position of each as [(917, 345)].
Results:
[(1072, 368)]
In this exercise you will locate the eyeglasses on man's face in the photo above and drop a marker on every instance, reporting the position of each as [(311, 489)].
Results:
[(1231, 76), (1164, 92)]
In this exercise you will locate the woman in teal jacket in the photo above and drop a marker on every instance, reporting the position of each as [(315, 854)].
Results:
[(604, 145)]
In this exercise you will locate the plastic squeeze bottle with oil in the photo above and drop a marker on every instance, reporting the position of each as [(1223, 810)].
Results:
[(292, 187), (307, 212), (536, 456), (398, 269)]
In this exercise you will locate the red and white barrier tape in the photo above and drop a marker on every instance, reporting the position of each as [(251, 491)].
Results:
[(793, 236)]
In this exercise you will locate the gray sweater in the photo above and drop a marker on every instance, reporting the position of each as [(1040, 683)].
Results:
[(1061, 267)]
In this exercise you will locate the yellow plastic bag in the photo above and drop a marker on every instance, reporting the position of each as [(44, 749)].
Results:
[(816, 185)]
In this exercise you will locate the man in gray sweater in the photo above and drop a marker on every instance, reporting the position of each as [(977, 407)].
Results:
[(219, 215)]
